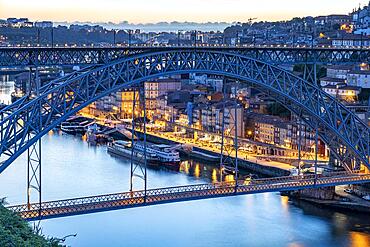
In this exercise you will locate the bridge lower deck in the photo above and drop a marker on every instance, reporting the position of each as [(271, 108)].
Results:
[(85, 205)]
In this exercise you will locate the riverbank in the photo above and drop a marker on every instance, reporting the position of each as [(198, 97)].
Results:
[(14, 231), (267, 170), (251, 162), (338, 201), (338, 205), (86, 170), (332, 197)]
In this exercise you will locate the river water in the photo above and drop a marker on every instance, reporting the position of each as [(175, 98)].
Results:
[(72, 168)]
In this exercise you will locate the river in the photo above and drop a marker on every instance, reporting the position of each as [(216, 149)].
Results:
[(73, 168)]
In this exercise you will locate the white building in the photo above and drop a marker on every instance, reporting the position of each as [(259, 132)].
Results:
[(359, 78), (44, 24), (343, 92), (216, 82), (154, 89), (350, 40), (338, 71), (331, 81), (361, 20), (19, 22), (209, 116)]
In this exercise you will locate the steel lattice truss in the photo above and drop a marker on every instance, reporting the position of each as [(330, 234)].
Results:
[(37, 56), (138, 166), (341, 129), (85, 205), (20, 57)]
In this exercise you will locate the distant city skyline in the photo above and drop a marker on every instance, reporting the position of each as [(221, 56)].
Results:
[(146, 11)]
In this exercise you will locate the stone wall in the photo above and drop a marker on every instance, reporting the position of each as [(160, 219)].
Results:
[(326, 193)]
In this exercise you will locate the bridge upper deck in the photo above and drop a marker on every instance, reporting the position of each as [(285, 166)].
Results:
[(89, 55)]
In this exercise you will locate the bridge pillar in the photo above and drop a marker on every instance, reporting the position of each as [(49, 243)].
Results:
[(299, 146), (139, 162), (34, 151), (34, 172), (310, 73), (316, 149)]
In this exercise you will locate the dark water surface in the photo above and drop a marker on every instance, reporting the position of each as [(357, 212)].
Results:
[(72, 168)]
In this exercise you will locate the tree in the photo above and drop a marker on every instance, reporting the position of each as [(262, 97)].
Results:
[(278, 109), (14, 231)]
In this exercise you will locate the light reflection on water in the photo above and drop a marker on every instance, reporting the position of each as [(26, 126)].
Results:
[(359, 239), (72, 168)]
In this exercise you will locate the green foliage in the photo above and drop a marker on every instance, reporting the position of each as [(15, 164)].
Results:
[(364, 95), (298, 68), (15, 232), (278, 109), (320, 70)]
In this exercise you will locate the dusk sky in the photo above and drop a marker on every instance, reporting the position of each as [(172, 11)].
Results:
[(144, 11)]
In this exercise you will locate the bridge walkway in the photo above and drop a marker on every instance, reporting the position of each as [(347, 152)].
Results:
[(85, 205)]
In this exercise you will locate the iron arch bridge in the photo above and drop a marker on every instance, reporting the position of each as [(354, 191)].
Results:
[(23, 123), (52, 56), (341, 129)]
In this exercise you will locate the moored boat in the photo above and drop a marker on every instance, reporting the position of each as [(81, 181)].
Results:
[(167, 155), (156, 153), (124, 149), (73, 128)]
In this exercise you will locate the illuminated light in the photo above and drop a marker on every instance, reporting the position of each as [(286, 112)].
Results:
[(186, 167), (197, 171), (247, 181), (284, 202), (343, 27), (295, 245), (214, 176), (229, 178), (359, 239)]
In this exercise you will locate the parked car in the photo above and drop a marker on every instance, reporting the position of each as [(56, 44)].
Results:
[(349, 191)]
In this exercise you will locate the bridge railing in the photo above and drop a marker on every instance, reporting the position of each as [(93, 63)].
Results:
[(120, 46), (202, 189), (165, 195)]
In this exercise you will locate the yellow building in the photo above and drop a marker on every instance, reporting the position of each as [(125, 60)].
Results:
[(126, 99)]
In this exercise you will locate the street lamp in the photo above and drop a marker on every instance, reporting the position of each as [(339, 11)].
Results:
[(249, 133)]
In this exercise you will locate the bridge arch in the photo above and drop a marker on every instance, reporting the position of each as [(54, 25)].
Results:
[(347, 136)]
